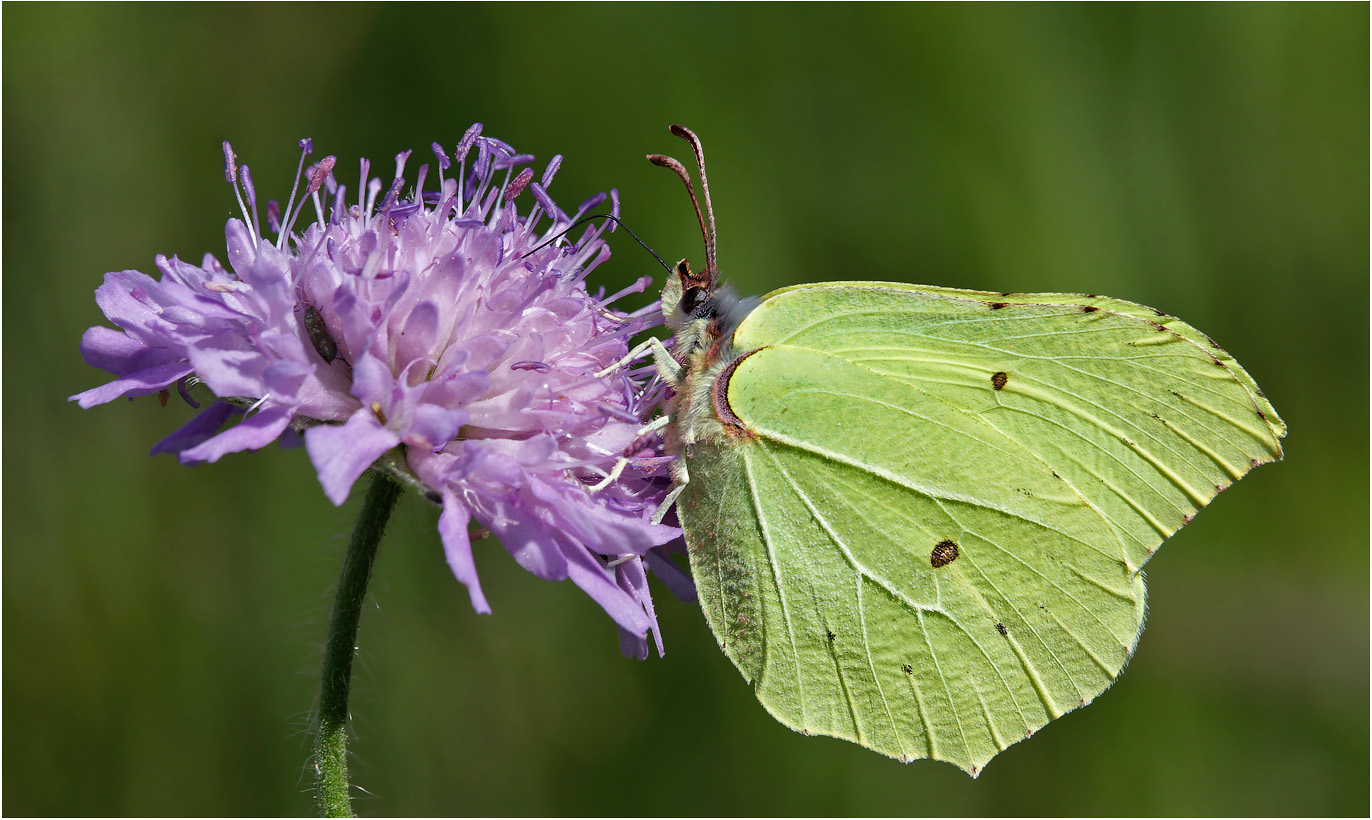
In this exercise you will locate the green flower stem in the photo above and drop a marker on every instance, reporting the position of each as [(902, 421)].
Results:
[(331, 741)]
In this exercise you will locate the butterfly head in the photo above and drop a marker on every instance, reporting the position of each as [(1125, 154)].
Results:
[(687, 297), (687, 292), (693, 305)]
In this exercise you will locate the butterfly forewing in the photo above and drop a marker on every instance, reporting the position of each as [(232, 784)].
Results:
[(1147, 424)]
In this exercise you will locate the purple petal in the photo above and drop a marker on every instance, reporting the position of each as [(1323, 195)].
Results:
[(457, 546), (432, 426), (416, 340), (252, 433), (290, 439), (634, 646), (229, 365), (202, 428), (355, 324), (142, 383), (121, 354), (125, 300), (634, 580), (343, 452), (532, 547), (456, 389), (283, 379), (526, 539), (242, 250), (372, 380), (675, 578), (598, 582), (610, 533)]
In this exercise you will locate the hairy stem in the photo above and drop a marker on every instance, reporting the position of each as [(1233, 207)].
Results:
[(331, 739)]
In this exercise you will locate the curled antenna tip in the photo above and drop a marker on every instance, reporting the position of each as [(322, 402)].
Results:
[(663, 161), (707, 216)]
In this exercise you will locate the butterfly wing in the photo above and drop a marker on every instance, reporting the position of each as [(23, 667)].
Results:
[(929, 539), (1085, 302)]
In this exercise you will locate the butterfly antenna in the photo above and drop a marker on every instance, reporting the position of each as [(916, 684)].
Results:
[(687, 134), (706, 218), (590, 218)]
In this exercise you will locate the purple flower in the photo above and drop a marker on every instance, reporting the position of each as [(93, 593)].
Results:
[(438, 322)]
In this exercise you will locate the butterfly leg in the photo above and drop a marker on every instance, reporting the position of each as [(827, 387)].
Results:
[(667, 367), (623, 461), (679, 480), (634, 354), (620, 464)]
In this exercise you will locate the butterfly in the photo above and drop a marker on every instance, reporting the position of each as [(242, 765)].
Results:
[(917, 517)]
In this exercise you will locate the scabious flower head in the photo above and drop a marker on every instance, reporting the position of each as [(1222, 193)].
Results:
[(440, 322)]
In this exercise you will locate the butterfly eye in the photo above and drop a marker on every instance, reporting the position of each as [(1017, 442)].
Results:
[(692, 299)]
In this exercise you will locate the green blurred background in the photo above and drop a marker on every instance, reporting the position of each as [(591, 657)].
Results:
[(162, 624)]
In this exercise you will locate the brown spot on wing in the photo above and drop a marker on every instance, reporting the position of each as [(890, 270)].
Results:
[(945, 552), (999, 379)]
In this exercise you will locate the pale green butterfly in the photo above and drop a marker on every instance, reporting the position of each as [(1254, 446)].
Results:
[(917, 517)]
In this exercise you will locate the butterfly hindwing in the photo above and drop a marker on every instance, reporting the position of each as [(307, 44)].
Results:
[(846, 624), (929, 540)]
